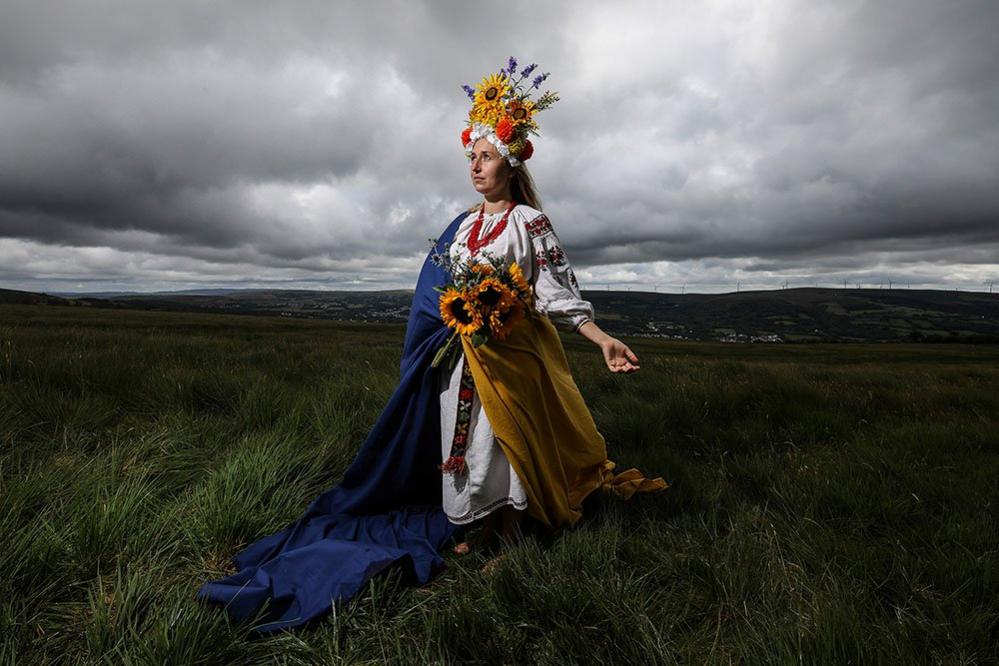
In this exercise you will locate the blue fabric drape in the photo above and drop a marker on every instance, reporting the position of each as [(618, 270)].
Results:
[(386, 510)]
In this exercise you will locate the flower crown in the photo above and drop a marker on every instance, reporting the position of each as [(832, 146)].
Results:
[(503, 114)]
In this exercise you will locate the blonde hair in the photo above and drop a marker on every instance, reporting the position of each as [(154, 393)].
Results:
[(522, 188)]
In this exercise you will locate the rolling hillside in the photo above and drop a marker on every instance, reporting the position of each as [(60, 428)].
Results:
[(787, 315)]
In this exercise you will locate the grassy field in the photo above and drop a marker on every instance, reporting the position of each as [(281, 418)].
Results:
[(829, 503)]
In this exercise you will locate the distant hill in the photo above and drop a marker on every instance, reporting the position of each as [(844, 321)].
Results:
[(30, 298), (786, 315), (115, 294), (804, 314), (377, 306)]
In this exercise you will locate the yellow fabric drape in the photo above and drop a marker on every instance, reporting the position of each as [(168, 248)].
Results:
[(542, 424)]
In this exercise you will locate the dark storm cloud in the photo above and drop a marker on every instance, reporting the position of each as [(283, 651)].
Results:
[(160, 144)]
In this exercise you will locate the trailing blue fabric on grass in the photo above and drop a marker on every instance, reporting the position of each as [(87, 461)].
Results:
[(386, 510)]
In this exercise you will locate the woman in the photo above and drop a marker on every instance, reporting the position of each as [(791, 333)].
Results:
[(531, 444), (509, 223)]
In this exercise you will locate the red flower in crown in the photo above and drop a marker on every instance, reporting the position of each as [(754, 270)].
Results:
[(504, 129), (526, 153), (466, 136)]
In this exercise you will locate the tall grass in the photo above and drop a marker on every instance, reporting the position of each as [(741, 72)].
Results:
[(829, 503)]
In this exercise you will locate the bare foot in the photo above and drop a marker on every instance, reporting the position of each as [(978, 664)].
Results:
[(481, 539), (490, 567), (512, 519), (475, 542), (507, 542)]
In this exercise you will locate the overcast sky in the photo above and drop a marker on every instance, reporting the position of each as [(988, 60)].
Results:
[(177, 145)]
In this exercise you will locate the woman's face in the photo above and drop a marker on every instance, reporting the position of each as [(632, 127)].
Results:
[(490, 172)]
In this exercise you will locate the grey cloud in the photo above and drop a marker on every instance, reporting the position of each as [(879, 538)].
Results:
[(234, 140)]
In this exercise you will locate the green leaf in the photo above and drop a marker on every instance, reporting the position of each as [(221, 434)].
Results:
[(442, 352), (452, 358)]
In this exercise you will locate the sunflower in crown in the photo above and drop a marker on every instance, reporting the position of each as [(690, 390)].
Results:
[(503, 112), (492, 89)]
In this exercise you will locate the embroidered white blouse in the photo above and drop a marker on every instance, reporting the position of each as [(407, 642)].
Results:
[(530, 240)]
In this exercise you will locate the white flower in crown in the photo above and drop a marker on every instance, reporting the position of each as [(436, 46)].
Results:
[(480, 131), (503, 113)]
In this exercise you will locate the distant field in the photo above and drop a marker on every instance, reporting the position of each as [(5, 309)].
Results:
[(830, 503), (801, 314)]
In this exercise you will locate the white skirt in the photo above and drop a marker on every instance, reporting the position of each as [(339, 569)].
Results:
[(490, 481)]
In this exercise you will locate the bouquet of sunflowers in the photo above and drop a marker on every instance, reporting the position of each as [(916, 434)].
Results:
[(484, 301)]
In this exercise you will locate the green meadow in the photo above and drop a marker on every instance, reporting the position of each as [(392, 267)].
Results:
[(828, 503)]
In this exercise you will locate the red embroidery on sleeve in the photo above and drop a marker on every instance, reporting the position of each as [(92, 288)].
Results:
[(538, 226), (556, 256)]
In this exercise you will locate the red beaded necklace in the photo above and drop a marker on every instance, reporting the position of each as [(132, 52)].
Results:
[(474, 242)]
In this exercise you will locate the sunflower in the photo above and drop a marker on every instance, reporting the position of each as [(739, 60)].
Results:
[(459, 313), (485, 269), (520, 111), (489, 293), (492, 89), (486, 113), (502, 321), (518, 278), (507, 300)]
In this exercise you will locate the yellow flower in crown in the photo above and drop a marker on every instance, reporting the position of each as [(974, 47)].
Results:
[(503, 113), (492, 90), (520, 112), (487, 115), (459, 312)]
